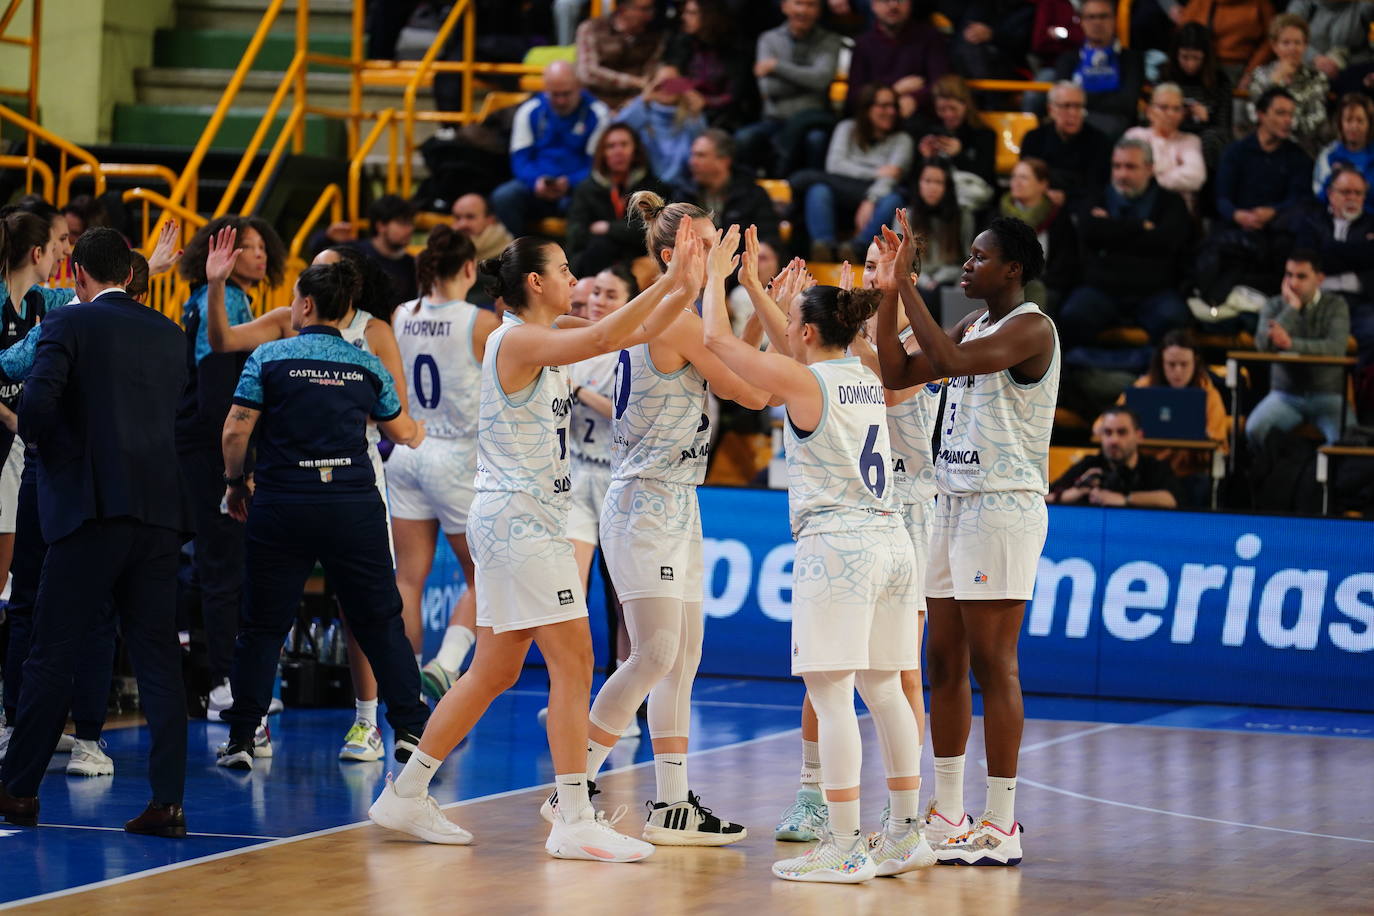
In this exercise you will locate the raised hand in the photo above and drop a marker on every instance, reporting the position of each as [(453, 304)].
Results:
[(166, 253), (223, 254), (846, 276), (721, 261), (748, 275), (682, 243), (912, 245), (694, 268)]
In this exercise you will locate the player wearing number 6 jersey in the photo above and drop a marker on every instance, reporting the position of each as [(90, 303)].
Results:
[(651, 533), (442, 338), (990, 526), (852, 620), (528, 587)]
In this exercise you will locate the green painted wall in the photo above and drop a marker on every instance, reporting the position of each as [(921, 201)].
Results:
[(89, 51)]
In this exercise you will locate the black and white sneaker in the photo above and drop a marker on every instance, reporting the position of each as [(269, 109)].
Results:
[(406, 744), (549, 810), (235, 756), (689, 824)]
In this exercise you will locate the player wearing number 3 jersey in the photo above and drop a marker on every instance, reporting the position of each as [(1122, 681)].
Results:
[(853, 575), (528, 587), (1003, 369)]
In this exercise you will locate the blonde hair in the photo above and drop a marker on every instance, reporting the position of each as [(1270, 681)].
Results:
[(661, 221)]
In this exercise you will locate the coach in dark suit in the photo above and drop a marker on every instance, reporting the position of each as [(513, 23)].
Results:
[(99, 406)]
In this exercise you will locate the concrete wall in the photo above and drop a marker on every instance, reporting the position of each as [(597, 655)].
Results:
[(89, 51)]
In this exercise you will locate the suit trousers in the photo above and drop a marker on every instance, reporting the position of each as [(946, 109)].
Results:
[(91, 684), (219, 558), (350, 540), (136, 564)]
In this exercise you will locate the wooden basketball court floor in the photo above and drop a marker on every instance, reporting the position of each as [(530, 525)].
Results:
[(1191, 810)]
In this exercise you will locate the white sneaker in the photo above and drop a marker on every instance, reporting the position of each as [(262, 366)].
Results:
[(594, 838), (985, 844), (806, 820), (222, 698), (89, 759), (937, 828), (827, 862), (900, 847), (363, 742), (435, 680), (238, 757), (420, 817), (65, 744)]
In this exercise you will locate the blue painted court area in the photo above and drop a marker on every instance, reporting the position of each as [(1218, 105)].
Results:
[(305, 788)]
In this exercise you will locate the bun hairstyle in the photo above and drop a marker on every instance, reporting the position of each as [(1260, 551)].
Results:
[(839, 313), (661, 221), (446, 254), (20, 233), (378, 295), (332, 286), (505, 275), (137, 287)]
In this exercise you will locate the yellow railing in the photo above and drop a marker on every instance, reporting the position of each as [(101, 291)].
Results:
[(32, 166), (33, 41), (463, 8), (65, 149)]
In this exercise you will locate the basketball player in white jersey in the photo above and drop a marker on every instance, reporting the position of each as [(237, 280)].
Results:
[(368, 328), (853, 575), (991, 472), (442, 338), (528, 586), (651, 533)]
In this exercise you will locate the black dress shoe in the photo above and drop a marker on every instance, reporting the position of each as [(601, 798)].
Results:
[(159, 820), (18, 810)]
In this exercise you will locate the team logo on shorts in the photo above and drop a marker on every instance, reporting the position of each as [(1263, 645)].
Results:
[(980, 578), (565, 596), (665, 573)]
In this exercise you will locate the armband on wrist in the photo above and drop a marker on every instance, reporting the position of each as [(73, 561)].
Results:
[(239, 481)]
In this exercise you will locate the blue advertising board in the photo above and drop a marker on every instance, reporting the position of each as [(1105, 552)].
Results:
[(1207, 608)]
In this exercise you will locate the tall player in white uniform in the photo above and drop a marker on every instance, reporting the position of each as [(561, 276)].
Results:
[(528, 585), (853, 575), (651, 533), (442, 338), (368, 328), (991, 522)]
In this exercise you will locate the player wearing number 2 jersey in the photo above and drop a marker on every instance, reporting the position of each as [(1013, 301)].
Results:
[(1003, 371), (528, 588), (852, 620), (442, 338), (651, 533)]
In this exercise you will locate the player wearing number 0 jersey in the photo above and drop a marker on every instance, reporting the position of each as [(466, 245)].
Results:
[(1003, 371), (651, 535), (852, 603), (528, 587), (442, 339)]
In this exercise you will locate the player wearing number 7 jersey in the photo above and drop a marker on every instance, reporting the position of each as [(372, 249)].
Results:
[(990, 525), (528, 587), (853, 573), (442, 338)]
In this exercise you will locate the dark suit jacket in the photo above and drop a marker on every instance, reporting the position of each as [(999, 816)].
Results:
[(100, 406), (1317, 231), (1122, 256)]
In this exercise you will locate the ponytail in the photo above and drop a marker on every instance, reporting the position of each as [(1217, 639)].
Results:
[(505, 275), (332, 286), (446, 254), (661, 221), (20, 233), (839, 313)]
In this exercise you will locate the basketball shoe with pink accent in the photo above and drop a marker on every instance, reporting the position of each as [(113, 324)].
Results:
[(595, 839), (985, 844), (937, 828)]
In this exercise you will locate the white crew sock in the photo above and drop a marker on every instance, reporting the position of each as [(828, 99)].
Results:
[(367, 709), (670, 770), (572, 796), (906, 804), (949, 787), (844, 821), (414, 779), (458, 639), (596, 756), (1001, 808), (811, 764)]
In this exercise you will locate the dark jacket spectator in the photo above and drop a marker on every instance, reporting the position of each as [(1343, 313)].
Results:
[(732, 196), (599, 234), (709, 52), (1207, 96), (1111, 75), (900, 51), (1120, 475), (992, 38), (617, 53), (1265, 169), (1078, 154), (957, 133), (1342, 234)]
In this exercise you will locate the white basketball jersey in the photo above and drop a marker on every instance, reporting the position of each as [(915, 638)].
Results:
[(591, 432), (995, 432), (838, 476), (911, 425), (661, 428), (356, 334), (443, 378), (522, 437)]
